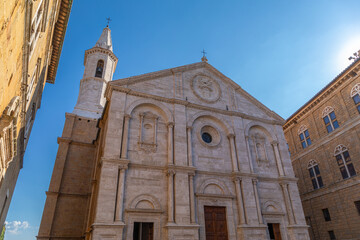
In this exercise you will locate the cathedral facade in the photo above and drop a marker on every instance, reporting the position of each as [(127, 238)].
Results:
[(182, 153)]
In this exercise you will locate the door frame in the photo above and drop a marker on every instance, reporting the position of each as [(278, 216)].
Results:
[(217, 201)]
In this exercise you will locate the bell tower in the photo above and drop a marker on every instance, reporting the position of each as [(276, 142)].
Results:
[(100, 63)]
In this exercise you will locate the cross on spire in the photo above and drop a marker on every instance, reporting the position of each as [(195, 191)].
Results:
[(204, 59), (108, 21)]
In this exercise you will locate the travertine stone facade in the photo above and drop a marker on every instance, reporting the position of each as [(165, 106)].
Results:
[(169, 144), (337, 193), (31, 37)]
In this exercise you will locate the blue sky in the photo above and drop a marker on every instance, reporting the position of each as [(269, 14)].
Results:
[(281, 52)]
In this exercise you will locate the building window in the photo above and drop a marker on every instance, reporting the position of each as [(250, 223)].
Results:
[(355, 94), (326, 214), (344, 162), (332, 235), (35, 27), (330, 120), (315, 174), (304, 136), (143, 230), (357, 205), (99, 69)]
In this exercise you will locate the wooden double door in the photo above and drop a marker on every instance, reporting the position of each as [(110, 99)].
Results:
[(274, 231), (215, 223)]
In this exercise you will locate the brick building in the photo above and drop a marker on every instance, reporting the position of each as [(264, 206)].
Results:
[(31, 37), (324, 143)]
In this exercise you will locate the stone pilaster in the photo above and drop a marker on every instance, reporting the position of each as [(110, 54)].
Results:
[(171, 175), (257, 201), (231, 138), (277, 158), (239, 200), (170, 143), (125, 137)]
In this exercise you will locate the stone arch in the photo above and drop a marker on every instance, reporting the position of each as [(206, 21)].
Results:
[(156, 104), (263, 127), (340, 149), (228, 129), (327, 110), (214, 183), (145, 201), (271, 206)]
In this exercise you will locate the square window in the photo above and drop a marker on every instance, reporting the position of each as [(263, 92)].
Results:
[(306, 133), (326, 214), (351, 169), (301, 136), (317, 171), (332, 115), (357, 205), (344, 173), (332, 235), (339, 160), (329, 128), (321, 184), (326, 120), (308, 141), (311, 171), (356, 98), (303, 144), (336, 124)]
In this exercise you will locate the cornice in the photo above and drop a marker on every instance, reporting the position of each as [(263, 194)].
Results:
[(112, 87), (101, 50), (349, 73), (58, 38)]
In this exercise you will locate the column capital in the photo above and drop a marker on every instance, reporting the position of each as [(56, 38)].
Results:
[(189, 128), (236, 179), (170, 124), (275, 143), (284, 184), (127, 116), (255, 181), (231, 135), (170, 172), (191, 174)]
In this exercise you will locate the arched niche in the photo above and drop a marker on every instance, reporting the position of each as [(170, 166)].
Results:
[(145, 201), (156, 105), (259, 140), (213, 186)]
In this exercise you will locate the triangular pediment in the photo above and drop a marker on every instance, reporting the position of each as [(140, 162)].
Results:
[(201, 84)]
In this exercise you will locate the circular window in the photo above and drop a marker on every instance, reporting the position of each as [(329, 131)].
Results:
[(209, 136), (206, 137)]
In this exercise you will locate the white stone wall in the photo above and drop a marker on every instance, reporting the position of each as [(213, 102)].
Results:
[(158, 169)]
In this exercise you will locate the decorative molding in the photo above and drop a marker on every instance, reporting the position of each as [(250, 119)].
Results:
[(322, 94), (327, 110), (355, 90)]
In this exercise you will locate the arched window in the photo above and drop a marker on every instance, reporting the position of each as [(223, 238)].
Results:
[(99, 69), (315, 174), (304, 136), (329, 118), (344, 161), (355, 94)]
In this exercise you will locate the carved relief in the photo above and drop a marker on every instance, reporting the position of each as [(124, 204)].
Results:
[(206, 88), (259, 144), (148, 132)]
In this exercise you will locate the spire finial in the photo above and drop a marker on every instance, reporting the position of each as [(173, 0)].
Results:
[(204, 59), (355, 56), (108, 21)]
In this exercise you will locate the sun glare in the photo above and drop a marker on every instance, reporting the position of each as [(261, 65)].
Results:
[(350, 47)]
